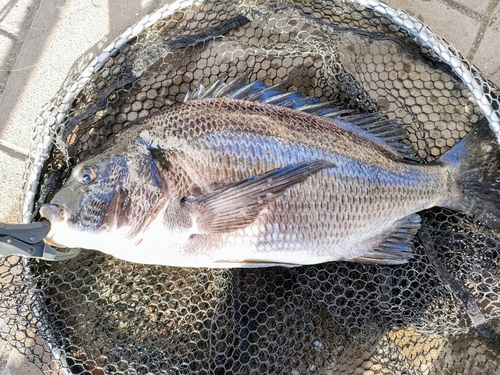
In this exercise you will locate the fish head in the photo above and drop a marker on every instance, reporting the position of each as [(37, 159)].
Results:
[(106, 199)]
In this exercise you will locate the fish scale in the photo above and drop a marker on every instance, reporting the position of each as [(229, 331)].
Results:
[(224, 182)]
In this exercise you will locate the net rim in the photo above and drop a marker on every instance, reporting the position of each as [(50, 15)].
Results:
[(437, 44), (418, 30)]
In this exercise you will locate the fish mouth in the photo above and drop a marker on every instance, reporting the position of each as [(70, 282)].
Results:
[(54, 214)]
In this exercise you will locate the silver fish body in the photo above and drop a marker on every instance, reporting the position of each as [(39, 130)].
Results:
[(223, 182)]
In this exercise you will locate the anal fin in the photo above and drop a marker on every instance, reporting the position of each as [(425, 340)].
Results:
[(397, 247)]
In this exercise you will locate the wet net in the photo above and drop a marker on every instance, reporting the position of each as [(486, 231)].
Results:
[(94, 314)]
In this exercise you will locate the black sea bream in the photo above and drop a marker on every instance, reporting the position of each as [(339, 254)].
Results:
[(248, 176)]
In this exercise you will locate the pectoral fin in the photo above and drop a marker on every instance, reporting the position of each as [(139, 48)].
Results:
[(397, 247), (237, 205)]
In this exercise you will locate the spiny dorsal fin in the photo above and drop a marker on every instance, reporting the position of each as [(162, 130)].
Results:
[(373, 126)]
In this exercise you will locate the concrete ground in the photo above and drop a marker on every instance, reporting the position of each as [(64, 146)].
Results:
[(41, 39)]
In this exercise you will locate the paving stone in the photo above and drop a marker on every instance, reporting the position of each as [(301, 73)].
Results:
[(7, 45), (479, 6), (5, 351), (11, 169), (15, 22), (17, 364), (16, 16), (457, 28), (486, 58)]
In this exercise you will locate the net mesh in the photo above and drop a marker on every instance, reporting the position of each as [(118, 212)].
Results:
[(99, 315)]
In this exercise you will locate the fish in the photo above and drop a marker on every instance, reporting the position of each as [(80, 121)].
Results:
[(243, 174)]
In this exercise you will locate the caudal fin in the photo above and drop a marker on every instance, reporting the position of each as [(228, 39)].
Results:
[(476, 162)]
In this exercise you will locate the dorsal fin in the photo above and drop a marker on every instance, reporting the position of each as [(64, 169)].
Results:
[(374, 126)]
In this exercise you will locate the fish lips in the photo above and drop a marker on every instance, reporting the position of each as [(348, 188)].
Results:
[(54, 214)]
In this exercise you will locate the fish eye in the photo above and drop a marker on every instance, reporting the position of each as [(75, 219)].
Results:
[(88, 174)]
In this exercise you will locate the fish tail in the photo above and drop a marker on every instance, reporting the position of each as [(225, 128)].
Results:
[(475, 161)]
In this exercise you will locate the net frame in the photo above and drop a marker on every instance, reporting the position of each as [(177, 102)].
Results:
[(44, 142)]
